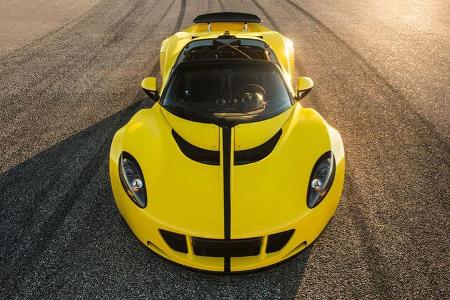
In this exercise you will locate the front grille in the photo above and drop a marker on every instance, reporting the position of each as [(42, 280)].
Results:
[(227, 248)]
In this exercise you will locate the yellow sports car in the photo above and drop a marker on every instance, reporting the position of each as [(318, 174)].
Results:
[(227, 171)]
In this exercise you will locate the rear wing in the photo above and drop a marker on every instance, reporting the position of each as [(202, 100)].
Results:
[(227, 17)]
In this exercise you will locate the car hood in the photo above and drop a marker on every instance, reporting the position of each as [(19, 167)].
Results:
[(237, 182)]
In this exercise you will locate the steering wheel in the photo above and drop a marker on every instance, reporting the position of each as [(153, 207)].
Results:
[(252, 97)]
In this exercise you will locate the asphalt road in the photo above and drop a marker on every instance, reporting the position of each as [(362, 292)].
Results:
[(382, 79), (26, 20)]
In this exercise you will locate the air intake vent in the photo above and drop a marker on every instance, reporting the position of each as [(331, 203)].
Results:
[(252, 155), (227, 248), (175, 241), (200, 155), (277, 241)]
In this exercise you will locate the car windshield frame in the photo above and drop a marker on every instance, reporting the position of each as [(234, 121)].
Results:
[(226, 120)]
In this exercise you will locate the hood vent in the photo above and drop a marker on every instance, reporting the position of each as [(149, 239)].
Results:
[(252, 155), (200, 155)]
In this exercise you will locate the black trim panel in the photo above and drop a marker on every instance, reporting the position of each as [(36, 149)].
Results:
[(200, 155), (252, 155), (227, 17)]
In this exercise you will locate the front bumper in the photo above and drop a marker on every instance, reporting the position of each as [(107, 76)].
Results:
[(306, 228)]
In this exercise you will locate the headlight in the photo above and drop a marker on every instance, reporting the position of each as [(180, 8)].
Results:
[(132, 179), (322, 177)]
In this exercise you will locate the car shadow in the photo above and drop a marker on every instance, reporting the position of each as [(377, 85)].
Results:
[(61, 234)]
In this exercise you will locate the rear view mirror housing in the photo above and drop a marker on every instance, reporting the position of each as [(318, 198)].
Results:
[(305, 84), (150, 87)]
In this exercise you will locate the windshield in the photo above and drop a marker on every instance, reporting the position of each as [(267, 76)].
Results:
[(240, 89)]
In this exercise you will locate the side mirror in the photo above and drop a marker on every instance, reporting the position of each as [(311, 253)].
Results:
[(305, 84), (150, 87)]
